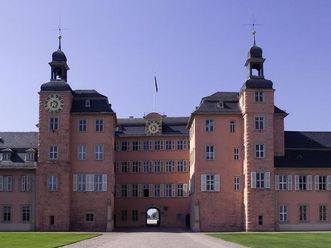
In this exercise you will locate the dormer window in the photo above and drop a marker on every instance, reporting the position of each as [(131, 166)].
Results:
[(6, 154), (220, 104), (87, 103), (30, 155)]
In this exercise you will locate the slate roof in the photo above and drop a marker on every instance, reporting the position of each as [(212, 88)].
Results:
[(99, 103), (306, 150), (18, 143), (56, 85), (136, 126), (257, 83), (222, 103)]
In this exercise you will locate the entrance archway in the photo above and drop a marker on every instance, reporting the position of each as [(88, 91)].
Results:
[(153, 217)]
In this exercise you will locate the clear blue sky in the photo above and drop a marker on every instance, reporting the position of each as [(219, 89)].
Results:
[(194, 47)]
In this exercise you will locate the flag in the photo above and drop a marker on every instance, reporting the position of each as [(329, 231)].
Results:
[(155, 82)]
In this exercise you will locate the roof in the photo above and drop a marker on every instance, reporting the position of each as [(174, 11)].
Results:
[(257, 83), (98, 103), (18, 140), (306, 150), (55, 85), (136, 126), (219, 102)]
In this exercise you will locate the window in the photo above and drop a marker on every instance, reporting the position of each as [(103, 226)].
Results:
[(135, 166), (134, 215), (181, 166), (303, 182), (29, 156), (236, 154), (82, 125), (168, 190), (26, 213), (99, 125), (158, 145), (81, 183), (157, 166), (82, 152), (259, 97), (124, 167), (98, 152), (283, 182), (323, 214), (322, 182), (168, 145), (169, 167), (89, 217), (6, 213), (146, 190), (210, 154), (53, 152), (260, 220), (25, 183), (209, 126), (124, 190), (135, 145), (124, 145), (259, 151), (124, 215), (146, 166), (303, 213), (87, 103), (99, 182), (260, 180), (134, 190), (6, 183), (259, 123), (232, 126), (180, 144), (147, 145), (180, 191), (236, 183), (53, 123), (157, 190), (210, 182), (283, 213)]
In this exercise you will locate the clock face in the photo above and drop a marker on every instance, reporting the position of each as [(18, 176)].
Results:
[(153, 127), (54, 103)]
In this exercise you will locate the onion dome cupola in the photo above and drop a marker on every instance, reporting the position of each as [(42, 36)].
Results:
[(254, 64), (59, 66)]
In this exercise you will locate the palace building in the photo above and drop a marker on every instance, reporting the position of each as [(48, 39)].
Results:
[(228, 166)]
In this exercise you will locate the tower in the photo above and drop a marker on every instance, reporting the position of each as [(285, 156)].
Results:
[(257, 106), (53, 171)]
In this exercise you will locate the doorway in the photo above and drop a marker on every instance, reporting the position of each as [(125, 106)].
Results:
[(153, 217)]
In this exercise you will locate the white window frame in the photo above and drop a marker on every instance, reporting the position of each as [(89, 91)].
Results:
[(99, 125), (99, 152), (283, 213), (6, 183), (52, 183), (236, 153), (210, 152), (323, 213), (82, 152), (232, 127), (53, 152), (259, 151), (236, 182), (53, 123), (259, 123), (260, 180), (209, 125), (303, 213), (25, 183), (259, 96), (82, 125), (210, 183)]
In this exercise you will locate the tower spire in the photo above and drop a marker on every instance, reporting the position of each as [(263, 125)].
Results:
[(60, 37), (254, 36)]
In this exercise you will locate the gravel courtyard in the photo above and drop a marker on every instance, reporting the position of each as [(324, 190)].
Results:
[(159, 239)]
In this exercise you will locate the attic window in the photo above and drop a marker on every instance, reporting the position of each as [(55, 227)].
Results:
[(87, 103), (220, 104), (6, 156), (30, 155)]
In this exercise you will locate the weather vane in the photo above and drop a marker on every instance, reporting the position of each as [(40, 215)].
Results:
[(253, 24), (60, 29)]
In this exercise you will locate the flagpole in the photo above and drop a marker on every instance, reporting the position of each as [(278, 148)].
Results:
[(155, 94)]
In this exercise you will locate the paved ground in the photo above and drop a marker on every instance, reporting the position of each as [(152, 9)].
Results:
[(154, 239)]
